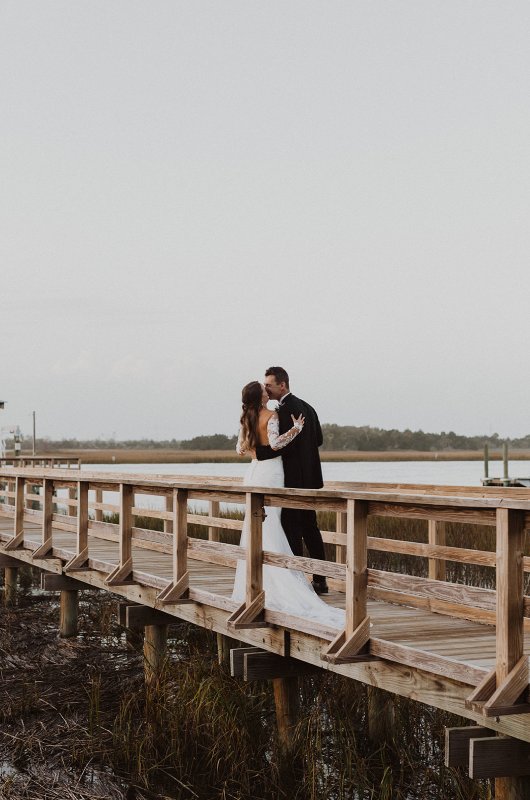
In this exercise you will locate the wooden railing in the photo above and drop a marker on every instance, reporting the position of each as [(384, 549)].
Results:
[(38, 496), (51, 462)]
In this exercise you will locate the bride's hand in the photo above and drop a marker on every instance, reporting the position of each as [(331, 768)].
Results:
[(298, 423)]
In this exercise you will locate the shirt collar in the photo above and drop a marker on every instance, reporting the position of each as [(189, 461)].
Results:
[(283, 399)]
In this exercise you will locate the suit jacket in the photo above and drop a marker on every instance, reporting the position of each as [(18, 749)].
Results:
[(301, 460)]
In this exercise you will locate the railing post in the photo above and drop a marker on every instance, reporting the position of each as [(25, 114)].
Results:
[(351, 641), (47, 517), (341, 526), (510, 575), (168, 523), (510, 620), (250, 614), (356, 564), (254, 560), (213, 533), (178, 589), (18, 528), (98, 514), (80, 559), (437, 569), (123, 572)]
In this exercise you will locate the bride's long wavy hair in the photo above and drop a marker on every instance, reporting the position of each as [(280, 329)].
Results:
[(251, 400)]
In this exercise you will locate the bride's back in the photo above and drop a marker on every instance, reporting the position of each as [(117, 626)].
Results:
[(264, 417)]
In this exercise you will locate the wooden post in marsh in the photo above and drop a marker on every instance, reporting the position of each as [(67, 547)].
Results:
[(155, 652), (287, 704), (381, 716), (68, 613), (486, 461), (505, 461), (10, 586), (509, 633), (436, 536)]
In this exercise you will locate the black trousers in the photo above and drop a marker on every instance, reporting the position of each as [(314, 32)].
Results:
[(301, 526)]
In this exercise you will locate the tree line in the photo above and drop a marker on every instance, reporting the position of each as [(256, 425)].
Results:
[(336, 437)]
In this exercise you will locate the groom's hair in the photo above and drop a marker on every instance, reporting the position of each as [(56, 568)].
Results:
[(280, 374)]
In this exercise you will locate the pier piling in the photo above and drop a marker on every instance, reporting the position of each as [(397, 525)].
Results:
[(69, 613)]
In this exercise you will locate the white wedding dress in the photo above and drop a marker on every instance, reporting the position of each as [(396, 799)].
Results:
[(286, 590)]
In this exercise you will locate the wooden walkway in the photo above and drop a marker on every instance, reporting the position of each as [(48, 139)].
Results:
[(459, 647)]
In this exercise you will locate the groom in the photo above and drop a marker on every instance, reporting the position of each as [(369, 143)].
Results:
[(301, 466)]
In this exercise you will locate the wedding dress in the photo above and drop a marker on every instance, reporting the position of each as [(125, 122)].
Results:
[(286, 590)]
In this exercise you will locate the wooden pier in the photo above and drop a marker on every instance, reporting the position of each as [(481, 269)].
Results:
[(458, 647)]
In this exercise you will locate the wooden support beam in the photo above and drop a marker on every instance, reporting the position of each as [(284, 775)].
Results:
[(287, 704), (225, 645), (342, 526), (237, 659), (381, 716), (482, 692), (356, 565), (259, 665), (214, 511), (168, 523), (9, 561), (155, 652), (436, 534), (514, 688), (122, 574), (178, 589), (250, 614), (47, 514), (510, 575), (457, 744), (353, 641), (343, 650), (138, 617), (17, 539), (10, 585), (51, 582), (69, 607), (498, 757), (80, 560), (98, 514)]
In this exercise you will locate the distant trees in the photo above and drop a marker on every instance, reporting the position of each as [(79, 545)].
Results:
[(336, 437), (349, 437)]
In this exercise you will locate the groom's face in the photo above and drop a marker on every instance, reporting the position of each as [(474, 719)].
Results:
[(274, 389)]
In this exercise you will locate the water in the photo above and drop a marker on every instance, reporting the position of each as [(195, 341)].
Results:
[(450, 473)]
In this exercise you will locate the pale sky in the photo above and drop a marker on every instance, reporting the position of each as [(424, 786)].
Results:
[(193, 191)]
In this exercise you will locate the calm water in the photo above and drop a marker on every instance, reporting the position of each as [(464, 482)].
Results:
[(451, 473)]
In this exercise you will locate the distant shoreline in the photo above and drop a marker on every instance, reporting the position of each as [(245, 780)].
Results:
[(160, 456)]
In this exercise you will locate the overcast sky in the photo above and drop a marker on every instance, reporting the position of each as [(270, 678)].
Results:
[(193, 191)]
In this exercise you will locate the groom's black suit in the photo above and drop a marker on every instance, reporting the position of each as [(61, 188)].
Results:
[(302, 470)]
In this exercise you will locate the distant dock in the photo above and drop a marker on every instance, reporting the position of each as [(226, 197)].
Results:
[(505, 480)]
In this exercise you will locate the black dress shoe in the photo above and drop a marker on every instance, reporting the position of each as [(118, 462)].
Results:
[(320, 587)]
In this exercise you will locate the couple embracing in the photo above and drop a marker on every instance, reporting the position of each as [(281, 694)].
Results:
[(284, 448)]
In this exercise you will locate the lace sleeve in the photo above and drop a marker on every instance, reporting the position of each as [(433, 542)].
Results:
[(241, 446), (278, 440)]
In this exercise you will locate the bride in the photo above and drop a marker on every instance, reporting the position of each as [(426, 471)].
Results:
[(285, 589)]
